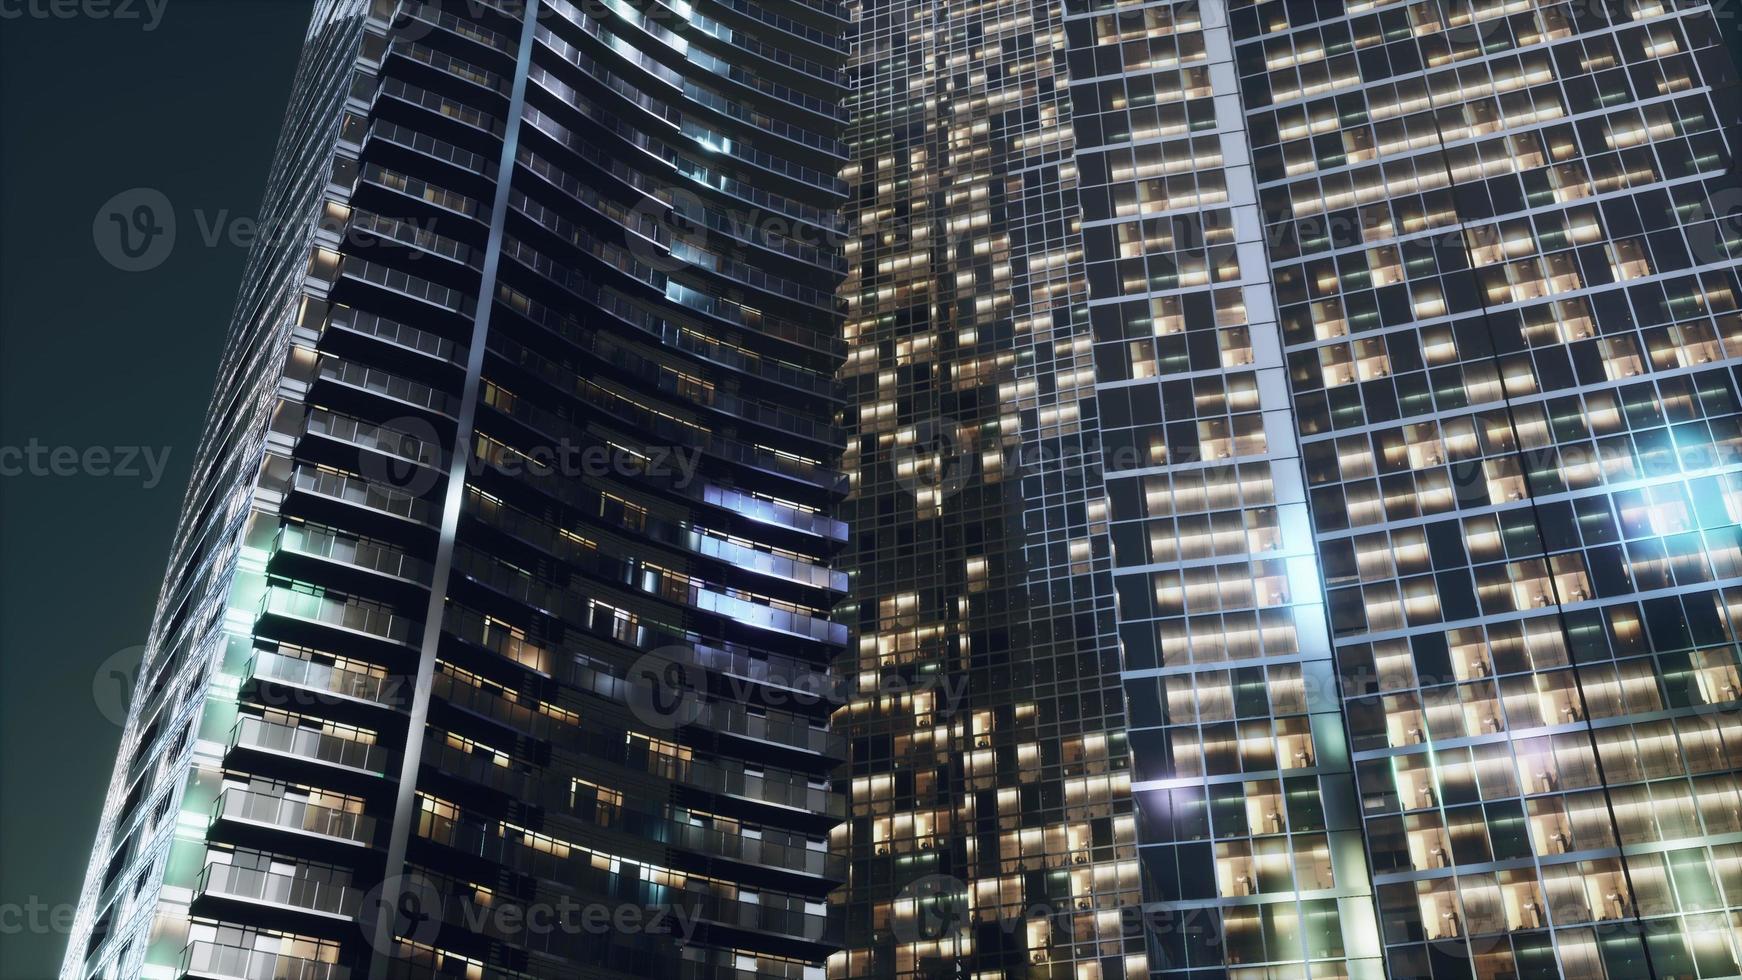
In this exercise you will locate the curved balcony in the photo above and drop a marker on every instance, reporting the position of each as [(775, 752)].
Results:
[(264, 810), (358, 553), (375, 438), (282, 611), (350, 374), (784, 791), (397, 190), (308, 745), (769, 512), (790, 675), (281, 890), (433, 15), (393, 332), (216, 961), (574, 869), (358, 492), (766, 563), (324, 681), (461, 70), (826, 39), (734, 847), (739, 607), (447, 689), (667, 332), (413, 237), (749, 613), (419, 142), (774, 729)]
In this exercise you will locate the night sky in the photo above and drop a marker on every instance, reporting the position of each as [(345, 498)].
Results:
[(95, 357)]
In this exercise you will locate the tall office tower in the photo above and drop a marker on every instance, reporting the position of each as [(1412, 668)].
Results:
[(1252, 850), (1042, 416), (1505, 262), (495, 636), (992, 830), (1367, 288)]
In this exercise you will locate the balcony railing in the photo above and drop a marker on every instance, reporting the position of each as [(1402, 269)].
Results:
[(294, 815), (367, 435), (328, 678), (393, 332), (350, 614), (354, 375), (510, 848), (360, 492), (215, 960), (254, 885), (367, 555), (308, 743)]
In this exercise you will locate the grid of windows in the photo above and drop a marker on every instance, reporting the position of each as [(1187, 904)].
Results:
[(1506, 296), (1250, 833), (992, 828)]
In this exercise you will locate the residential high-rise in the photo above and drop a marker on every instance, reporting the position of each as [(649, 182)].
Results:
[(1050, 488), (500, 603)]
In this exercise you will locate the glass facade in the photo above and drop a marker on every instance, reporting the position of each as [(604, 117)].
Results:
[(1252, 848), (496, 641), (992, 830), (1507, 296), (1214, 489)]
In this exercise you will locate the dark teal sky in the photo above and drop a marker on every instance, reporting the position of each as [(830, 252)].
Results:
[(91, 356)]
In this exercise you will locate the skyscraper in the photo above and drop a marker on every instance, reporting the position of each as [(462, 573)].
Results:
[(984, 488), (992, 827), (1061, 298), (1504, 252), (518, 411)]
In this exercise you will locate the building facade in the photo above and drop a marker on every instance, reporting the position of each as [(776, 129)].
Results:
[(500, 604), (992, 828), (1504, 255), (1046, 488)]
